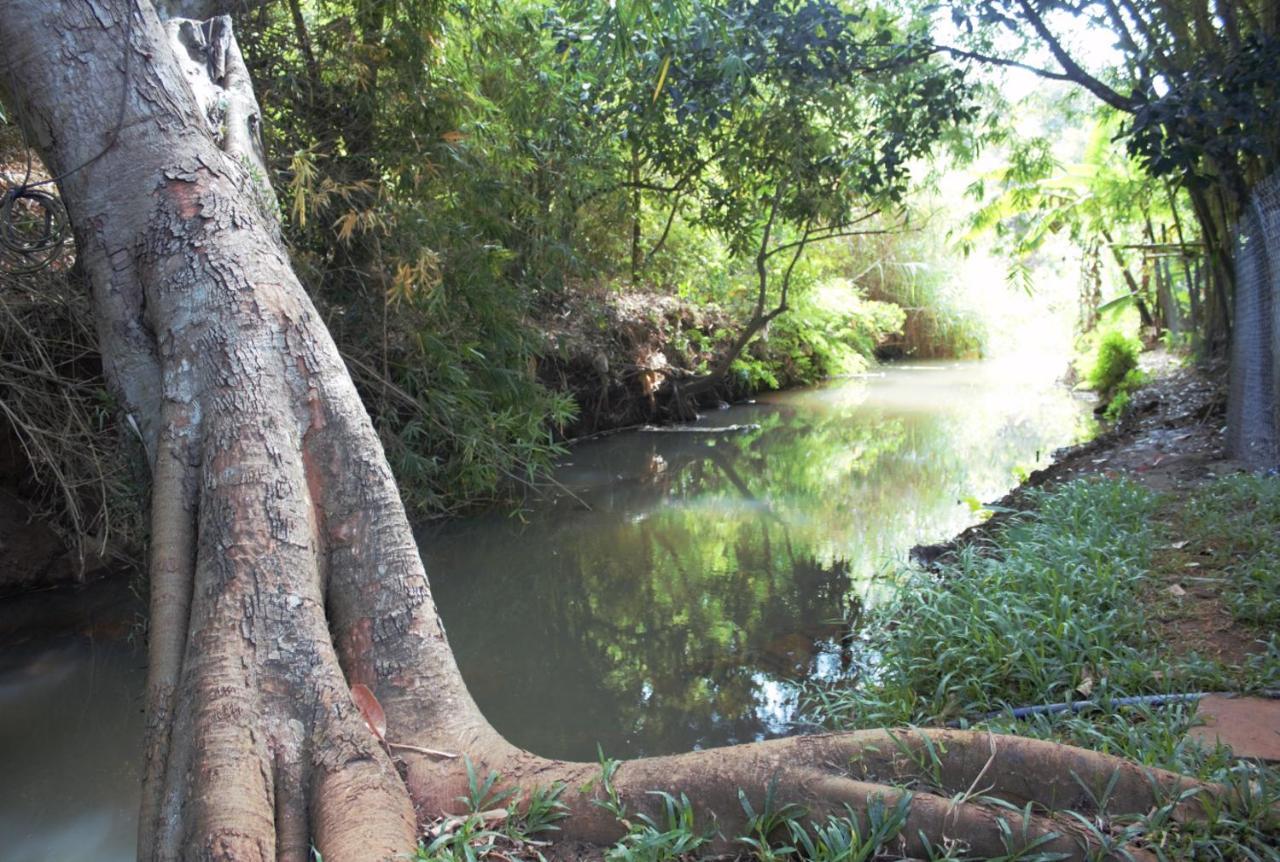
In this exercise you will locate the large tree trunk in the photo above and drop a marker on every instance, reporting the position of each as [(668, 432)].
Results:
[(283, 569)]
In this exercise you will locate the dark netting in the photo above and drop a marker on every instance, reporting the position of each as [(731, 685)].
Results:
[(1253, 409)]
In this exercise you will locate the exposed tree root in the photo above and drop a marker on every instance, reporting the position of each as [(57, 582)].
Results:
[(947, 772), (284, 570)]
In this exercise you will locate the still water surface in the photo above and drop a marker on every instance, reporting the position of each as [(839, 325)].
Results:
[(673, 594), (681, 586)]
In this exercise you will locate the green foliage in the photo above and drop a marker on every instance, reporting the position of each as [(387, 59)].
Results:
[(845, 839), (611, 801), (1199, 88), (830, 331), (1216, 113), (773, 126), (428, 222), (1116, 407), (449, 172), (670, 837), (1115, 359), (1102, 195), (772, 819), (483, 793)]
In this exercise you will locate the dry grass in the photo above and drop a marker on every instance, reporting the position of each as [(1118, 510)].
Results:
[(54, 401), (82, 467)]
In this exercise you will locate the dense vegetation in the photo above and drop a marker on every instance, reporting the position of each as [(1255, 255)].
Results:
[(467, 173), (524, 221)]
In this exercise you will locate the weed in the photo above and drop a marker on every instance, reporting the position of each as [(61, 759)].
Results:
[(771, 819), (675, 836), (843, 839), (541, 811), (484, 794)]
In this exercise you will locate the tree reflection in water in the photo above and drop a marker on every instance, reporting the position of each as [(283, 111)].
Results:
[(691, 581)]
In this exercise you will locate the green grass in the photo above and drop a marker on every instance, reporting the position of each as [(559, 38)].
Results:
[(1050, 610), (1055, 607), (1237, 519)]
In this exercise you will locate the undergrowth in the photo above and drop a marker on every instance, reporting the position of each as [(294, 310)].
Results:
[(1111, 369), (77, 458)]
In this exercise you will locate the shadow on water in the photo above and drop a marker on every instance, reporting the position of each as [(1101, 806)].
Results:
[(684, 585)]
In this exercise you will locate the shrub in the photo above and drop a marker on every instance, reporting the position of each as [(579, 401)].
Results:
[(1117, 355)]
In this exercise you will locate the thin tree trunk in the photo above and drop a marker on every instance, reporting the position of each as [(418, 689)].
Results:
[(637, 258), (1134, 289)]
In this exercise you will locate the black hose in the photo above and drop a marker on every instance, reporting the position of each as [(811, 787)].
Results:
[(1081, 705)]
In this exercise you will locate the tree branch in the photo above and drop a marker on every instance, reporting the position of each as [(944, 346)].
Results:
[(666, 230), (833, 232), (1155, 44), (762, 257), (1074, 71), (1004, 61), (786, 278)]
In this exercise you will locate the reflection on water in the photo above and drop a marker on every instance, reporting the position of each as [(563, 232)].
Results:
[(673, 599), (678, 589), (70, 745)]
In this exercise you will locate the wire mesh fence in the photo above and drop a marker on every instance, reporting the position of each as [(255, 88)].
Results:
[(1253, 407)]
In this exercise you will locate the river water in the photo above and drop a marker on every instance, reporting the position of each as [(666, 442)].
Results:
[(679, 588), (672, 593)]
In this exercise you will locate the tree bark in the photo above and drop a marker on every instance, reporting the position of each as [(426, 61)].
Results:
[(283, 569)]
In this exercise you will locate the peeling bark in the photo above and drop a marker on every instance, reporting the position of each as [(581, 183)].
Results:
[(283, 567)]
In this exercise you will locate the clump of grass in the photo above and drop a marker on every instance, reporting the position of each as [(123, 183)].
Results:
[(673, 836), (1116, 356), (500, 823), (848, 837)]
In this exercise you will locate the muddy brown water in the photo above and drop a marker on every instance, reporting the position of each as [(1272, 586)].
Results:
[(675, 592)]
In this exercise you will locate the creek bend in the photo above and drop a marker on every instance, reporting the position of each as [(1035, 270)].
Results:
[(674, 594)]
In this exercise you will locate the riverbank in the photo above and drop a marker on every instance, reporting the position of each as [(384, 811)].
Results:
[(1141, 563), (623, 353), (1170, 442)]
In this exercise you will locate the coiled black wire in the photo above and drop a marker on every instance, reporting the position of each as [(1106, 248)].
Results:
[(33, 222), (33, 229)]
